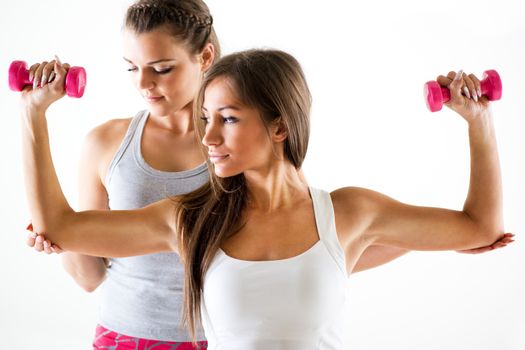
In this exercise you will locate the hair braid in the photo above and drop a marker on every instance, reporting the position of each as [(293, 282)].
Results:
[(189, 20)]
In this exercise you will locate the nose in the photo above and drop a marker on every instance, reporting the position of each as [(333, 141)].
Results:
[(212, 134), (144, 80)]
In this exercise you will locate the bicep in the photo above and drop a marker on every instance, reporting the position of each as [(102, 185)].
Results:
[(420, 228), (365, 218), (117, 233), (89, 270)]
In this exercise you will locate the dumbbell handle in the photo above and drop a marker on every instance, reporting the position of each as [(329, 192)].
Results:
[(75, 83), (436, 95)]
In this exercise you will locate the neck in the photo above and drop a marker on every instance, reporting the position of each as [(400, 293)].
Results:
[(179, 122), (278, 187)]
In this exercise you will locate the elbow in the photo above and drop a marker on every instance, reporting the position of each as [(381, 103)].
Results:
[(89, 283), (51, 224), (88, 272), (487, 230), (489, 234), (493, 234), (89, 288)]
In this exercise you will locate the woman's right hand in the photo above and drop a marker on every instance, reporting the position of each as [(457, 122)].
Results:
[(465, 95), (48, 80)]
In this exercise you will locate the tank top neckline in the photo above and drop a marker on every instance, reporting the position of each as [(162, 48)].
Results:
[(141, 162), (299, 256)]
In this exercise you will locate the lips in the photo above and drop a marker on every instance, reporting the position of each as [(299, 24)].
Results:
[(214, 157), (153, 98)]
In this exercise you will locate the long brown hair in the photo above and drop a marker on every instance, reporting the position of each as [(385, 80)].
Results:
[(272, 82), (189, 21)]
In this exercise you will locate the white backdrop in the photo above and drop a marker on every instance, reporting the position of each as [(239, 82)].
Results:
[(366, 64)]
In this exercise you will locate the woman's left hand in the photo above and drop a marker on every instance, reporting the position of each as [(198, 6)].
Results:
[(40, 243)]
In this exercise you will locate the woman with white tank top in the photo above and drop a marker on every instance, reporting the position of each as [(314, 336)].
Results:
[(130, 163), (266, 257)]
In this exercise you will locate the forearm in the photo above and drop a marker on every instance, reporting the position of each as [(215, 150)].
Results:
[(47, 203), (87, 271), (484, 200)]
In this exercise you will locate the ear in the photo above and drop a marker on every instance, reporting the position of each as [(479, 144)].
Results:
[(279, 130), (207, 56)]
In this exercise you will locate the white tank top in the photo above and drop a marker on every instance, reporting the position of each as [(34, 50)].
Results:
[(289, 304)]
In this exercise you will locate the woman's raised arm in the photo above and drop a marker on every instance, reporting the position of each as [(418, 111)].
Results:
[(100, 233), (384, 221)]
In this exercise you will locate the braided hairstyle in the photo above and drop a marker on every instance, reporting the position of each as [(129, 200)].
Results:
[(189, 21)]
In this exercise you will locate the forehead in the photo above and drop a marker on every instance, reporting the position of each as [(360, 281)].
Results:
[(220, 92), (158, 43)]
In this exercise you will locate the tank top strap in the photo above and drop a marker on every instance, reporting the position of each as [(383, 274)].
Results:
[(136, 139), (135, 127), (325, 220)]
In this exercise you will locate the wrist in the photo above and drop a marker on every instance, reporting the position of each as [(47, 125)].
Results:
[(33, 112), (480, 119), (32, 108), (481, 128)]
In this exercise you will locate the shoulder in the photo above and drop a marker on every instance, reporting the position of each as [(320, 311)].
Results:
[(100, 145), (108, 133), (356, 198), (354, 209), (104, 140), (361, 200)]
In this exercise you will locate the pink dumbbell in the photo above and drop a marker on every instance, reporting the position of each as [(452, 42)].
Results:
[(436, 95), (75, 79)]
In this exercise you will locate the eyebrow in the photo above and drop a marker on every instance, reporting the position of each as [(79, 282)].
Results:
[(152, 62), (224, 107)]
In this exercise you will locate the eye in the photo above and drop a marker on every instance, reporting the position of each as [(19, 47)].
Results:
[(163, 71), (132, 69), (230, 120), (204, 119)]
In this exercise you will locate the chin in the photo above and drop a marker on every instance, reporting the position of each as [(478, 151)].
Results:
[(162, 108), (224, 172), (156, 110)]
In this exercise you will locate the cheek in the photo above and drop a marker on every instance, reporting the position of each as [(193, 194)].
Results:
[(252, 143), (182, 83), (173, 82)]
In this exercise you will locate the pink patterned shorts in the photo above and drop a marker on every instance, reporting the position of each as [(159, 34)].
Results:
[(106, 339)]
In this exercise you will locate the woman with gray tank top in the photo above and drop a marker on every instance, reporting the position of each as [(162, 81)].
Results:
[(130, 163)]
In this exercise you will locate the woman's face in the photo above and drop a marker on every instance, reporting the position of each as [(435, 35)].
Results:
[(236, 137), (163, 71)]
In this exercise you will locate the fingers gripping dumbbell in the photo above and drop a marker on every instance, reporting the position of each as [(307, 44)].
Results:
[(74, 85), (436, 95)]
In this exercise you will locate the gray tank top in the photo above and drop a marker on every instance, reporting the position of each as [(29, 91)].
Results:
[(142, 295)]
